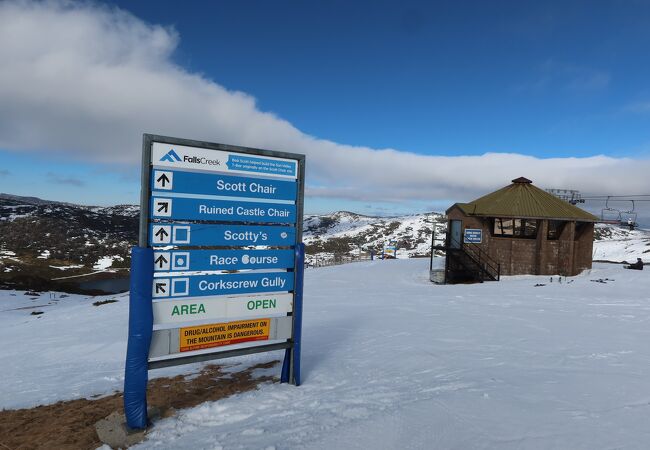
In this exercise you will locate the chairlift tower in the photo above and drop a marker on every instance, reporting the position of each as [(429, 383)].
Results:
[(568, 195)]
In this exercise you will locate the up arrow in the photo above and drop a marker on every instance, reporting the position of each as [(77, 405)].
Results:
[(161, 234), (163, 179), (160, 287), (161, 261)]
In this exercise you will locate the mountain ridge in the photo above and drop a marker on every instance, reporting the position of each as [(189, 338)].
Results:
[(52, 240)]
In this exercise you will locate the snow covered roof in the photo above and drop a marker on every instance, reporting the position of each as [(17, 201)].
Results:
[(522, 199)]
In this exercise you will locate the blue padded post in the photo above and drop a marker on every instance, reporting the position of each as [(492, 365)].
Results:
[(140, 331), (293, 353), (297, 311), (284, 375)]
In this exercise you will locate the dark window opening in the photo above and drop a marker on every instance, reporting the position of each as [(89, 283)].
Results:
[(581, 228), (555, 228), (516, 228)]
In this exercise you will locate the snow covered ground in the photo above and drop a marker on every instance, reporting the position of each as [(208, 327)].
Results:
[(412, 233), (620, 244), (72, 350), (389, 361)]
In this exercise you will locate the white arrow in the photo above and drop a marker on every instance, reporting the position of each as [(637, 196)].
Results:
[(162, 207)]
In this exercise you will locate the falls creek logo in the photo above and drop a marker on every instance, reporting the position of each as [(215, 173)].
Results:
[(171, 156)]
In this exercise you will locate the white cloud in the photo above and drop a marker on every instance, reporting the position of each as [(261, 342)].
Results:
[(62, 179), (640, 107), (88, 80), (557, 75)]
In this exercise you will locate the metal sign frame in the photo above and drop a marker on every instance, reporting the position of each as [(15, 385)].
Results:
[(142, 273)]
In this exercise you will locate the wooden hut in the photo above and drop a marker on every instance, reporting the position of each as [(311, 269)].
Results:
[(519, 229)]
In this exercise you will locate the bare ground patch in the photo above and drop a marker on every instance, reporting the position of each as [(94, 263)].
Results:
[(70, 425)]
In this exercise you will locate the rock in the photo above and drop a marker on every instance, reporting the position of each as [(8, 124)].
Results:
[(114, 432)]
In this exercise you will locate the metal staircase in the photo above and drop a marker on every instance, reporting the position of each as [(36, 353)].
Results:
[(467, 263)]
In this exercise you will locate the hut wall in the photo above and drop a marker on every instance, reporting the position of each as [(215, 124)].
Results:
[(569, 255), (566, 244), (468, 222), (550, 257), (516, 256), (584, 247)]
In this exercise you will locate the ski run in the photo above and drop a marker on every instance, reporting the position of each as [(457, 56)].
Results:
[(390, 360)]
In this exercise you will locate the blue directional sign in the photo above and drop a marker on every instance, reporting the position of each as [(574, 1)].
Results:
[(204, 260), (185, 182), (473, 236), (246, 206), (210, 285), (177, 208), (197, 234)]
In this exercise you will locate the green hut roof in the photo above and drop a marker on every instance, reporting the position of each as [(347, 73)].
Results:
[(522, 199)]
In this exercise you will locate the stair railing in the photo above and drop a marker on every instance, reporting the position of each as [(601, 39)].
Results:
[(480, 257), (484, 259)]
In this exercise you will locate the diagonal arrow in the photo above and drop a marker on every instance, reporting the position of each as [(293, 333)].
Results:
[(161, 260), (161, 234), (163, 207), (160, 287), (163, 179)]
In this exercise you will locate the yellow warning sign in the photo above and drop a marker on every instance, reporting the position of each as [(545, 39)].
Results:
[(219, 334)]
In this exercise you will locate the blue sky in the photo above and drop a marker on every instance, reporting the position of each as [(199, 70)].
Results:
[(542, 78), (545, 81)]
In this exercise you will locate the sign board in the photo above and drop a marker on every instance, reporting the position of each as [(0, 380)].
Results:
[(199, 339), (223, 159), (217, 335), (213, 260), (221, 228), (210, 235), (201, 183), (228, 284), (169, 208), (219, 308), (390, 250), (473, 236)]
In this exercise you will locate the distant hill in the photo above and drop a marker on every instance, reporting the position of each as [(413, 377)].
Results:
[(615, 243), (346, 233), (49, 239), (46, 240), (31, 200)]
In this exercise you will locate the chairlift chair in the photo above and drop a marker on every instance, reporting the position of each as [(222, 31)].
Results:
[(610, 215), (628, 218)]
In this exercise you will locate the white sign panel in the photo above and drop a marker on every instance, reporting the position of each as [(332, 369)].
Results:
[(220, 308), (183, 157)]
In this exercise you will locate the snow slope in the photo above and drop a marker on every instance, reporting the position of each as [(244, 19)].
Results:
[(413, 236), (411, 233), (390, 361), (39, 234), (72, 350), (620, 244)]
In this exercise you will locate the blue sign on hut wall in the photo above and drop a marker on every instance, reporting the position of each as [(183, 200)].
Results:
[(473, 236)]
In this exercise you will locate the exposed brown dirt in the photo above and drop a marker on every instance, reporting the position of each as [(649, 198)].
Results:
[(70, 425)]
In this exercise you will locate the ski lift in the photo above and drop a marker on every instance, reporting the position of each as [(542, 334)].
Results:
[(611, 215), (628, 218)]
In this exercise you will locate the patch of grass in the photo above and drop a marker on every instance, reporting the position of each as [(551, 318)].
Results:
[(104, 302)]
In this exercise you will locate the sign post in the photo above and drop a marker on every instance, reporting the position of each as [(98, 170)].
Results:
[(219, 267)]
